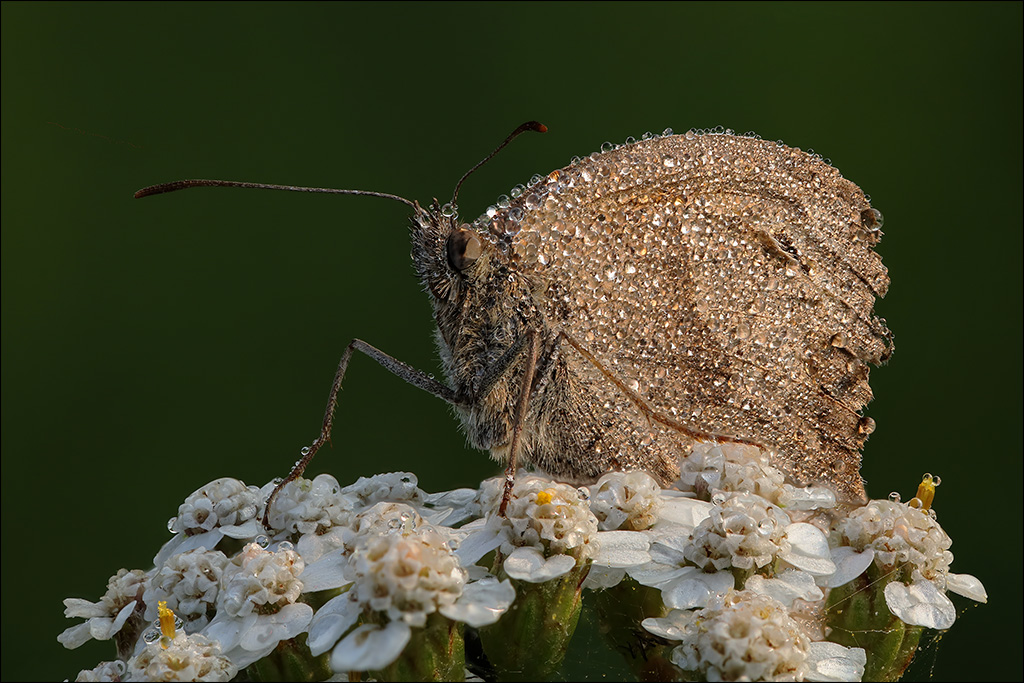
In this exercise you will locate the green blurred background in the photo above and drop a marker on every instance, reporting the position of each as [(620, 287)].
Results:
[(151, 346)]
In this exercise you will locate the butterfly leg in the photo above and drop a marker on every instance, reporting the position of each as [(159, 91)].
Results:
[(396, 367), (532, 340)]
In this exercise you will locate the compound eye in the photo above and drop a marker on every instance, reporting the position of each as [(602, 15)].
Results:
[(464, 249)]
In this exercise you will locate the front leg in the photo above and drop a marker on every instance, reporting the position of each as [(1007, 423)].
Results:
[(394, 366)]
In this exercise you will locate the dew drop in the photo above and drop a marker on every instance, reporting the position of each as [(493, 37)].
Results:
[(895, 497), (718, 499), (448, 211), (936, 480), (305, 450), (285, 546), (179, 623), (453, 544), (151, 635), (872, 219), (262, 541), (170, 524), (583, 492), (667, 132), (866, 425), (607, 146)]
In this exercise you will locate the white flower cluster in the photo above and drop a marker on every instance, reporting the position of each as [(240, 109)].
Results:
[(895, 535), (742, 561)]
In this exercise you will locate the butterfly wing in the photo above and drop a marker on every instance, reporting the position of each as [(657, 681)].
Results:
[(726, 282)]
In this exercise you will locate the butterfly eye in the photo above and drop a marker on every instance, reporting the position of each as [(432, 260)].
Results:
[(463, 249)]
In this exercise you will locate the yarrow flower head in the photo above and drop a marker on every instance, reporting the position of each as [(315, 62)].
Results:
[(367, 578), (749, 636), (225, 507), (106, 618), (626, 500), (399, 579), (748, 533), (548, 529), (184, 658), (711, 469), (189, 583), (256, 606), (225, 503), (908, 537), (306, 506)]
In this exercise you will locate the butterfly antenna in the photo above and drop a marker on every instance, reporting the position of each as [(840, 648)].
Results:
[(186, 184), (535, 126)]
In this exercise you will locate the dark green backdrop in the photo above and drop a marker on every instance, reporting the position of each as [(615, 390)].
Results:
[(150, 346)]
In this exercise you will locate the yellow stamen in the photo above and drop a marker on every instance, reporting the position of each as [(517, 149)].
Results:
[(544, 497), (166, 621), (925, 492)]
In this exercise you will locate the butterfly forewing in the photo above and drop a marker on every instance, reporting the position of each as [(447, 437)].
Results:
[(728, 282)]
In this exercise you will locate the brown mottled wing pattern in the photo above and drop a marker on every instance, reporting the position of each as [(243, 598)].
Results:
[(728, 281)]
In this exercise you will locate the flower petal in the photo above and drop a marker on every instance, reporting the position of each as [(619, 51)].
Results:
[(478, 544), (326, 573), (967, 586), (528, 564), (920, 604), (482, 602), (622, 549), (833, 662), (371, 647), (809, 549), (684, 512), (696, 590), (787, 586), (270, 629), (331, 622), (849, 565)]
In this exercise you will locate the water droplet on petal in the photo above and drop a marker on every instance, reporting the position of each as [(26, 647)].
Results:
[(583, 492), (151, 635), (262, 541), (170, 524), (305, 450), (895, 497)]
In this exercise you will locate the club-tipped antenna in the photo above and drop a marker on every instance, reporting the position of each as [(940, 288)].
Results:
[(535, 126), (185, 184)]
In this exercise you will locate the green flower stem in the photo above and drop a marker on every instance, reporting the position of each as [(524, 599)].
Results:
[(858, 617), (620, 610), (291, 660), (436, 652), (531, 639)]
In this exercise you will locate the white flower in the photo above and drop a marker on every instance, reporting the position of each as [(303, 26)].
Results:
[(920, 603), (547, 531), (185, 658), (625, 500), (896, 535), (747, 532), (107, 617), (405, 576), (394, 487), (103, 672), (682, 585), (224, 507), (189, 583), (256, 607), (309, 507), (729, 467), (749, 636)]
